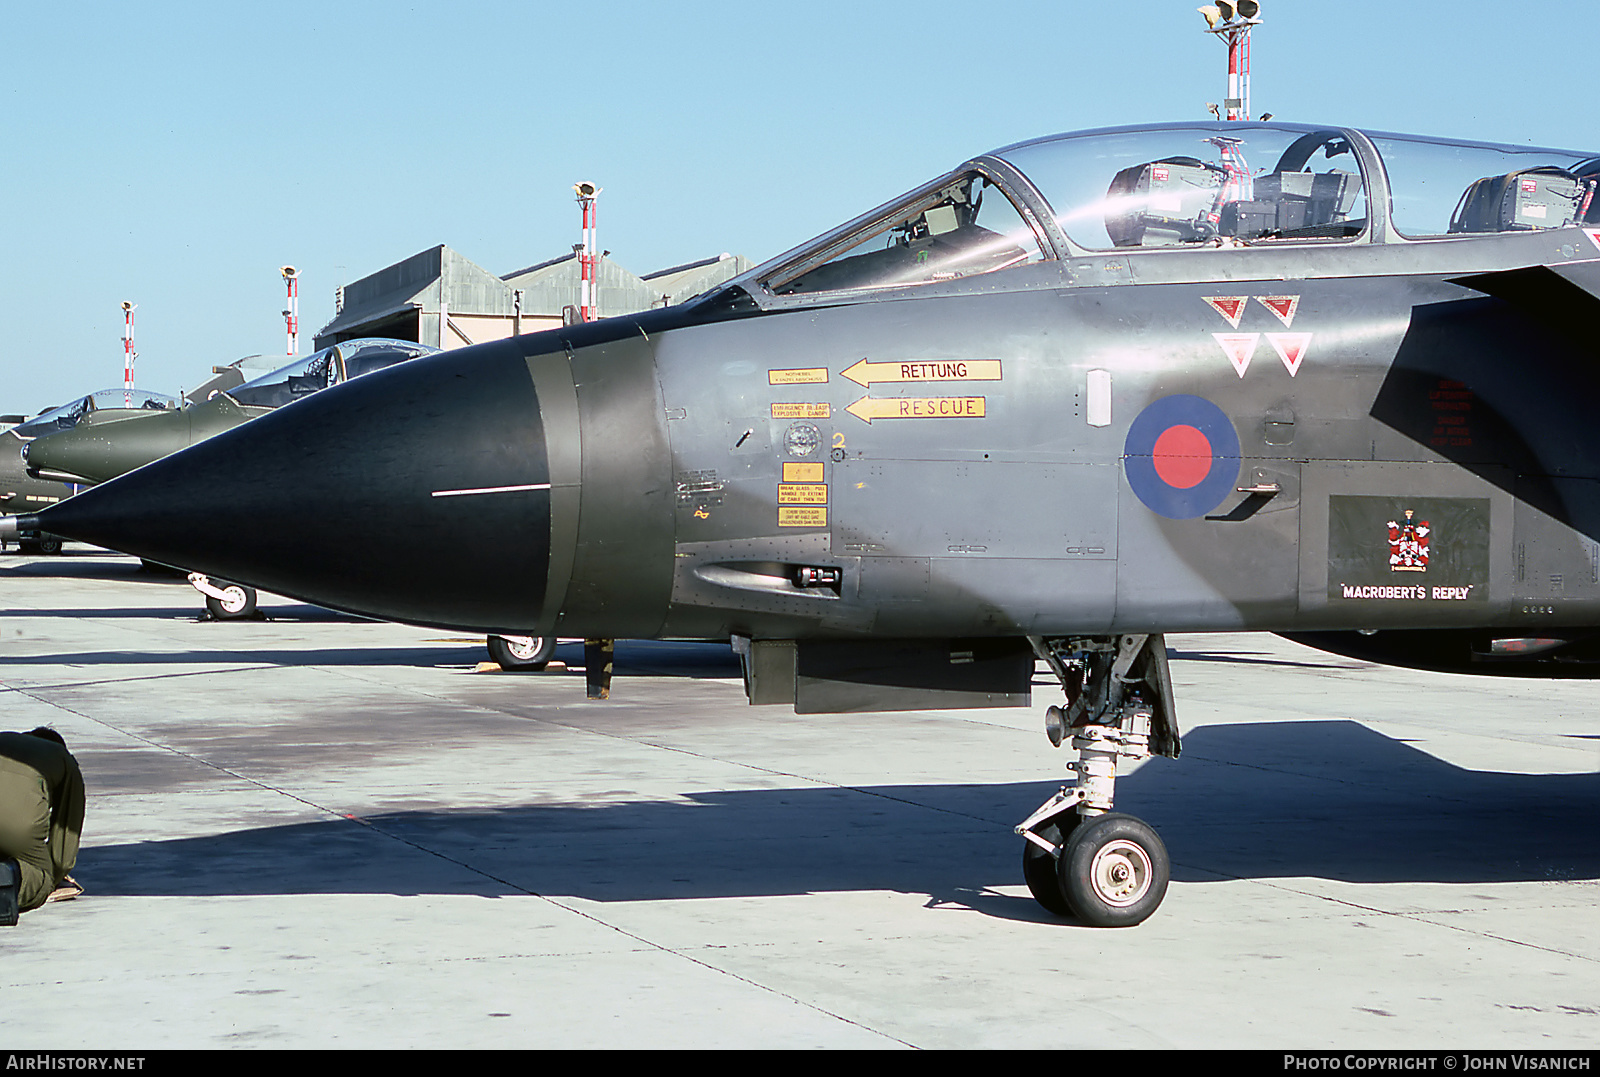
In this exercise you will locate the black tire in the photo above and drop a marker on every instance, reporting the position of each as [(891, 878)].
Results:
[(1114, 871), (1039, 867), (516, 657), (239, 604), (48, 544)]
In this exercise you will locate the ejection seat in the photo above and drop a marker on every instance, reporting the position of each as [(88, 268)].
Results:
[(1524, 201)]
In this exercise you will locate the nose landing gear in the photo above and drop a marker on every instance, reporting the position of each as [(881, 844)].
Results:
[(1108, 870), (522, 654), (225, 600)]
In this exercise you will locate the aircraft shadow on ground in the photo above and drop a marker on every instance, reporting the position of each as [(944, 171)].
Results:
[(1332, 800), (90, 565), (272, 656), (1265, 658), (294, 613), (633, 658)]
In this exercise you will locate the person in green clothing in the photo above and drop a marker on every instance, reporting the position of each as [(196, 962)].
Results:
[(41, 818)]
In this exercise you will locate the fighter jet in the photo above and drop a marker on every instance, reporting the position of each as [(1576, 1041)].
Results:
[(93, 452), (1076, 394), (22, 492)]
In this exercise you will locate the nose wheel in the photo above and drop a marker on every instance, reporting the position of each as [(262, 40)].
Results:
[(522, 654), (1113, 871), (225, 600)]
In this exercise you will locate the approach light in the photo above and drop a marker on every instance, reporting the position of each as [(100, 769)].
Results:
[(288, 272), (1225, 12), (127, 305), (585, 190)]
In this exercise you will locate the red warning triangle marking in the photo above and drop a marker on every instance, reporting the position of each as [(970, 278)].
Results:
[(1291, 348), (1230, 307), (1594, 235), (1281, 305), (1238, 347)]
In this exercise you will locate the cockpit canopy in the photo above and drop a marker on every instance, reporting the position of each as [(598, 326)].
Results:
[(1211, 185), (1193, 186), (320, 369), (66, 416)]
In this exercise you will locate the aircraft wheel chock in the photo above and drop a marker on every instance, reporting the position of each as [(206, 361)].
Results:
[(1039, 867), (521, 654), (1114, 871), (237, 602)]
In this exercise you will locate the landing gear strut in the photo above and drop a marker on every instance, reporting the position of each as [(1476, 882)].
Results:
[(1107, 869)]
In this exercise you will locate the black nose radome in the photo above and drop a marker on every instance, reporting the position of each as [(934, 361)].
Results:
[(419, 493)]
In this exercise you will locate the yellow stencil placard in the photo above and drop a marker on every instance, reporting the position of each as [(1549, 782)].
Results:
[(803, 494), (802, 411), (797, 376), (795, 516), (802, 472)]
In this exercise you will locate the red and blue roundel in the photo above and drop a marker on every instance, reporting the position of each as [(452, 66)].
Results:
[(1182, 456)]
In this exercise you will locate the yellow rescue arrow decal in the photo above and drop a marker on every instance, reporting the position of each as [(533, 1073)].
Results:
[(865, 373), (917, 407)]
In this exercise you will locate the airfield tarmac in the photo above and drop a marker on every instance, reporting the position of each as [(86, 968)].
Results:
[(319, 831)]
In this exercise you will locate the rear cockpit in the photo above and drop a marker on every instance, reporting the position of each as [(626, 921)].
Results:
[(1472, 188)]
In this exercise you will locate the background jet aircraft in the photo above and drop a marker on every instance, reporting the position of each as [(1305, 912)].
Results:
[(92, 451), (103, 445), (22, 492), (1075, 394)]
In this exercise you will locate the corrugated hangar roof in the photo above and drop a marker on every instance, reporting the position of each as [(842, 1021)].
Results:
[(689, 280), (549, 286), (442, 278)]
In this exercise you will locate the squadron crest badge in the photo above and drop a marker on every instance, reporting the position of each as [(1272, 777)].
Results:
[(1409, 543)]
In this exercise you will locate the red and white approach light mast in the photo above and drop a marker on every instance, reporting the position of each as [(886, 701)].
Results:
[(291, 316), (1232, 23), (587, 193), (128, 354)]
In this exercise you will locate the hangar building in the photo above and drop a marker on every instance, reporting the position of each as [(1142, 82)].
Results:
[(441, 298)]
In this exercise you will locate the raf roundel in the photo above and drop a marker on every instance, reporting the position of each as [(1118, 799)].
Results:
[(1181, 456)]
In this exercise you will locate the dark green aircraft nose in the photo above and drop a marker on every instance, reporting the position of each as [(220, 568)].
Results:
[(96, 453), (419, 493)]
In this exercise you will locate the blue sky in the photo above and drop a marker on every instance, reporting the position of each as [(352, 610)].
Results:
[(177, 154)]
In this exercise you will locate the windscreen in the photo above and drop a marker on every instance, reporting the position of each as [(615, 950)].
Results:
[(365, 356), (967, 227), (300, 378)]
